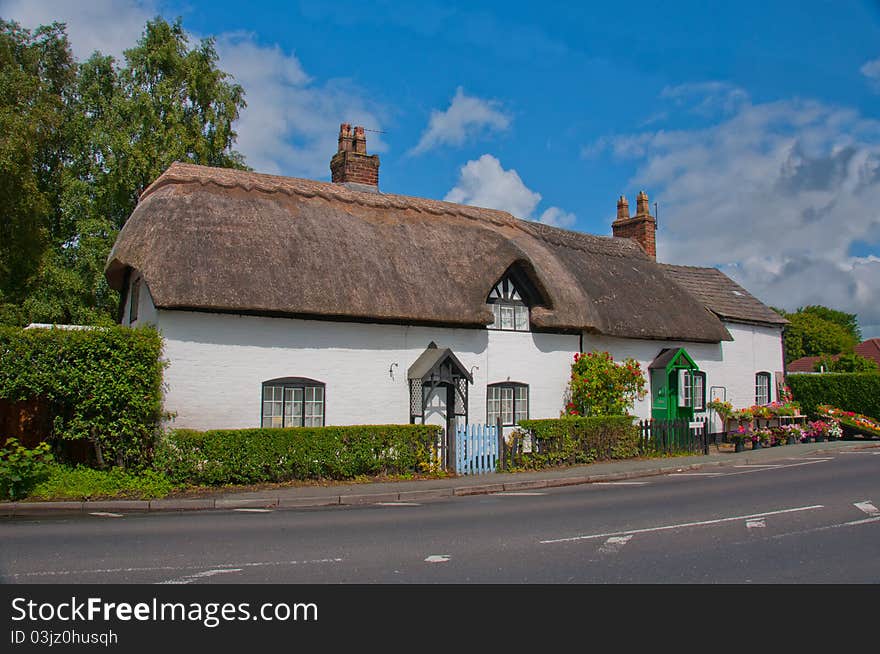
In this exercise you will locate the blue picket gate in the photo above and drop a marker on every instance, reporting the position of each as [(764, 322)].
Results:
[(476, 449)]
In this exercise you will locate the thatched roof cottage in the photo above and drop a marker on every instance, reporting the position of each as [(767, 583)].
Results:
[(295, 302)]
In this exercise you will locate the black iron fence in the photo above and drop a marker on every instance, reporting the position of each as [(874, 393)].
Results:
[(674, 436)]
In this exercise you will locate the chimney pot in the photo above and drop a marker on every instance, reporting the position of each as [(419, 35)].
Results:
[(641, 228), (351, 164)]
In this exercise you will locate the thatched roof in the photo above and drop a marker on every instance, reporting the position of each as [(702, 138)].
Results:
[(214, 239), (723, 296)]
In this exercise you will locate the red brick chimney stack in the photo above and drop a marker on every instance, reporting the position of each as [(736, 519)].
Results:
[(351, 164), (641, 228)]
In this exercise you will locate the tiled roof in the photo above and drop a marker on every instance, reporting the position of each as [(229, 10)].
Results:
[(869, 349), (804, 364), (723, 296)]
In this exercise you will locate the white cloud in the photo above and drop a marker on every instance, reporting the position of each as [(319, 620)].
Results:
[(291, 122), (777, 194), (484, 182), (466, 117), (871, 70), (111, 26)]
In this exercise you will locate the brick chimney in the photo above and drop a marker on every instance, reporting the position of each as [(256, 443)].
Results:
[(641, 228), (351, 165)]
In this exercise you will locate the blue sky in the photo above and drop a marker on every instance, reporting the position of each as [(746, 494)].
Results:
[(754, 125)]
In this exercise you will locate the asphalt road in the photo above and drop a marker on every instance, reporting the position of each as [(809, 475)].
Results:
[(797, 521)]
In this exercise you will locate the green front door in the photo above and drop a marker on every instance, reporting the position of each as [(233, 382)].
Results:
[(671, 378)]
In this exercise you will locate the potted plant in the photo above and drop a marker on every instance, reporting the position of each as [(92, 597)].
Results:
[(760, 438), (793, 434), (738, 437)]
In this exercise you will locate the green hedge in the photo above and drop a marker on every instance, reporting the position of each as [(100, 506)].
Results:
[(104, 385), (573, 440), (858, 392), (246, 456)]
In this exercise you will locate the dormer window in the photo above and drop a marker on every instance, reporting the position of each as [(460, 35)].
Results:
[(511, 312)]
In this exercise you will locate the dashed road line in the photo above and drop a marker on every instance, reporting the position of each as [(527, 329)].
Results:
[(683, 525), (867, 507), (438, 558), (519, 493), (614, 544), (696, 474), (620, 483), (756, 524), (397, 504), (188, 579), (106, 514), (253, 510)]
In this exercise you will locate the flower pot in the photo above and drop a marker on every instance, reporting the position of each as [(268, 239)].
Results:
[(738, 446), (791, 440), (756, 445), (832, 438), (819, 438)]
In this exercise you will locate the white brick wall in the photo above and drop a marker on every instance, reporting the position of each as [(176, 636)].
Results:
[(218, 364)]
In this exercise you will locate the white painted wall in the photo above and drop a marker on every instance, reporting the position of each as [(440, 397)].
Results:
[(147, 313), (731, 365), (218, 363)]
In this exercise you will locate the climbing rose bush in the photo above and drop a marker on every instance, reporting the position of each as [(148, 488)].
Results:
[(601, 387)]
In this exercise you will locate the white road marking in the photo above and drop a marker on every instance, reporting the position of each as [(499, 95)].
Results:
[(620, 483), (755, 524), (696, 474), (813, 530), (518, 493), (868, 508), (253, 510), (760, 465), (614, 544), (256, 564), (106, 514), (438, 558), (188, 579), (683, 525), (397, 504), (860, 452)]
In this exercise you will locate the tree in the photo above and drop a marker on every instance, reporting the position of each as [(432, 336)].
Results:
[(110, 130), (816, 330), (848, 362), (37, 73)]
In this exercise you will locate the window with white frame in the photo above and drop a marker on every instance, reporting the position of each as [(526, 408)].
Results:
[(762, 388), (293, 402), (508, 402), (699, 392), (510, 311)]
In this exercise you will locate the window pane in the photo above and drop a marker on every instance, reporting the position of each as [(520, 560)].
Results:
[(522, 318), (293, 402), (522, 403), (493, 404), (507, 317), (507, 405), (272, 406), (698, 393), (314, 406), (496, 312)]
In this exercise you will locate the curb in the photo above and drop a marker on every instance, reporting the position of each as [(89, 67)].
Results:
[(12, 509)]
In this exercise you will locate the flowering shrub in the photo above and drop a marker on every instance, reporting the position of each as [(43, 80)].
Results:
[(796, 431), (850, 419), (762, 435), (601, 387)]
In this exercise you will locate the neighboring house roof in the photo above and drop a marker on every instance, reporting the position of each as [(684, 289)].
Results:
[(723, 296), (214, 239), (804, 364), (869, 349)]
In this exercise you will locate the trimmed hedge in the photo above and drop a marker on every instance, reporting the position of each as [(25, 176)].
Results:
[(247, 456), (858, 392), (573, 440), (104, 385)]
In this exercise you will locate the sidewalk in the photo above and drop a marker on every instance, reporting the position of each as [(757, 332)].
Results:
[(413, 491)]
